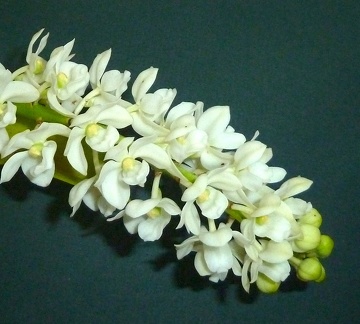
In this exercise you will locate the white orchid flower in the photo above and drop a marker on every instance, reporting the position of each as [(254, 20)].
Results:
[(184, 139), (36, 157), (206, 193), (250, 165), (66, 78), (149, 217), (36, 64), (123, 168), (271, 258), (99, 125), (270, 216), (12, 92), (86, 192), (150, 108), (214, 122), (107, 86), (214, 256)]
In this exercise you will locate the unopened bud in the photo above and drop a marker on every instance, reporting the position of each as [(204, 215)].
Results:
[(322, 276), (309, 269), (310, 239), (266, 285), (313, 217), (325, 246)]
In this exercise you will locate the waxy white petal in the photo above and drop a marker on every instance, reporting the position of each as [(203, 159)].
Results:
[(214, 121), (293, 187), (143, 83), (78, 192), (276, 252), (137, 207), (185, 247), (114, 190), (132, 224), (218, 238), (275, 271), (19, 91), (218, 259), (152, 229), (98, 67), (75, 152), (196, 189), (12, 165), (276, 227), (249, 153), (190, 218)]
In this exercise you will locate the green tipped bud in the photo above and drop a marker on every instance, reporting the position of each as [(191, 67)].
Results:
[(266, 285), (323, 275), (313, 217), (310, 239), (325, 246), (310, 269)]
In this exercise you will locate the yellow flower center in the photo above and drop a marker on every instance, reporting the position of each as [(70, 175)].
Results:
[(128, 164), (35, 150), (39, 66), (204, 196), (181, 140), (62, 80), (262, 220), (2, 109), (92, 130), (155, 212)]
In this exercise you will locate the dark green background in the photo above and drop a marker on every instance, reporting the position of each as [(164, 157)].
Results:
[(289, 69)]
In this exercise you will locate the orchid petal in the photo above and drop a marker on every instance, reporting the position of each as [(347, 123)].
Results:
[(196, 189), (293, 187), (249, 153), (152, 229), (218, 259), (214, 121), (276, 252), (98, 67), (137, 207), (75, 152), (218, 238), (143, 83), (19, 91), (190, 218), (12, 165)]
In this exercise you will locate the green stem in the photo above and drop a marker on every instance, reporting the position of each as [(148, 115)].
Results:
[(186, 173), (295, 262), (40, 113), (235, 214)]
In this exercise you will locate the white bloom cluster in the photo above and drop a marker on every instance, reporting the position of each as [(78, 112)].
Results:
[(235, 219)]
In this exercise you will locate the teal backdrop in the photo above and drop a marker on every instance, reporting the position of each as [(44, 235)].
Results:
[(289, 69)]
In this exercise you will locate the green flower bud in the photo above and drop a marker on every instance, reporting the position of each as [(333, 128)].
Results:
[(266, 285), (313, 217), (323, 275), (310, 269), (325, 246), (310, 239)]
